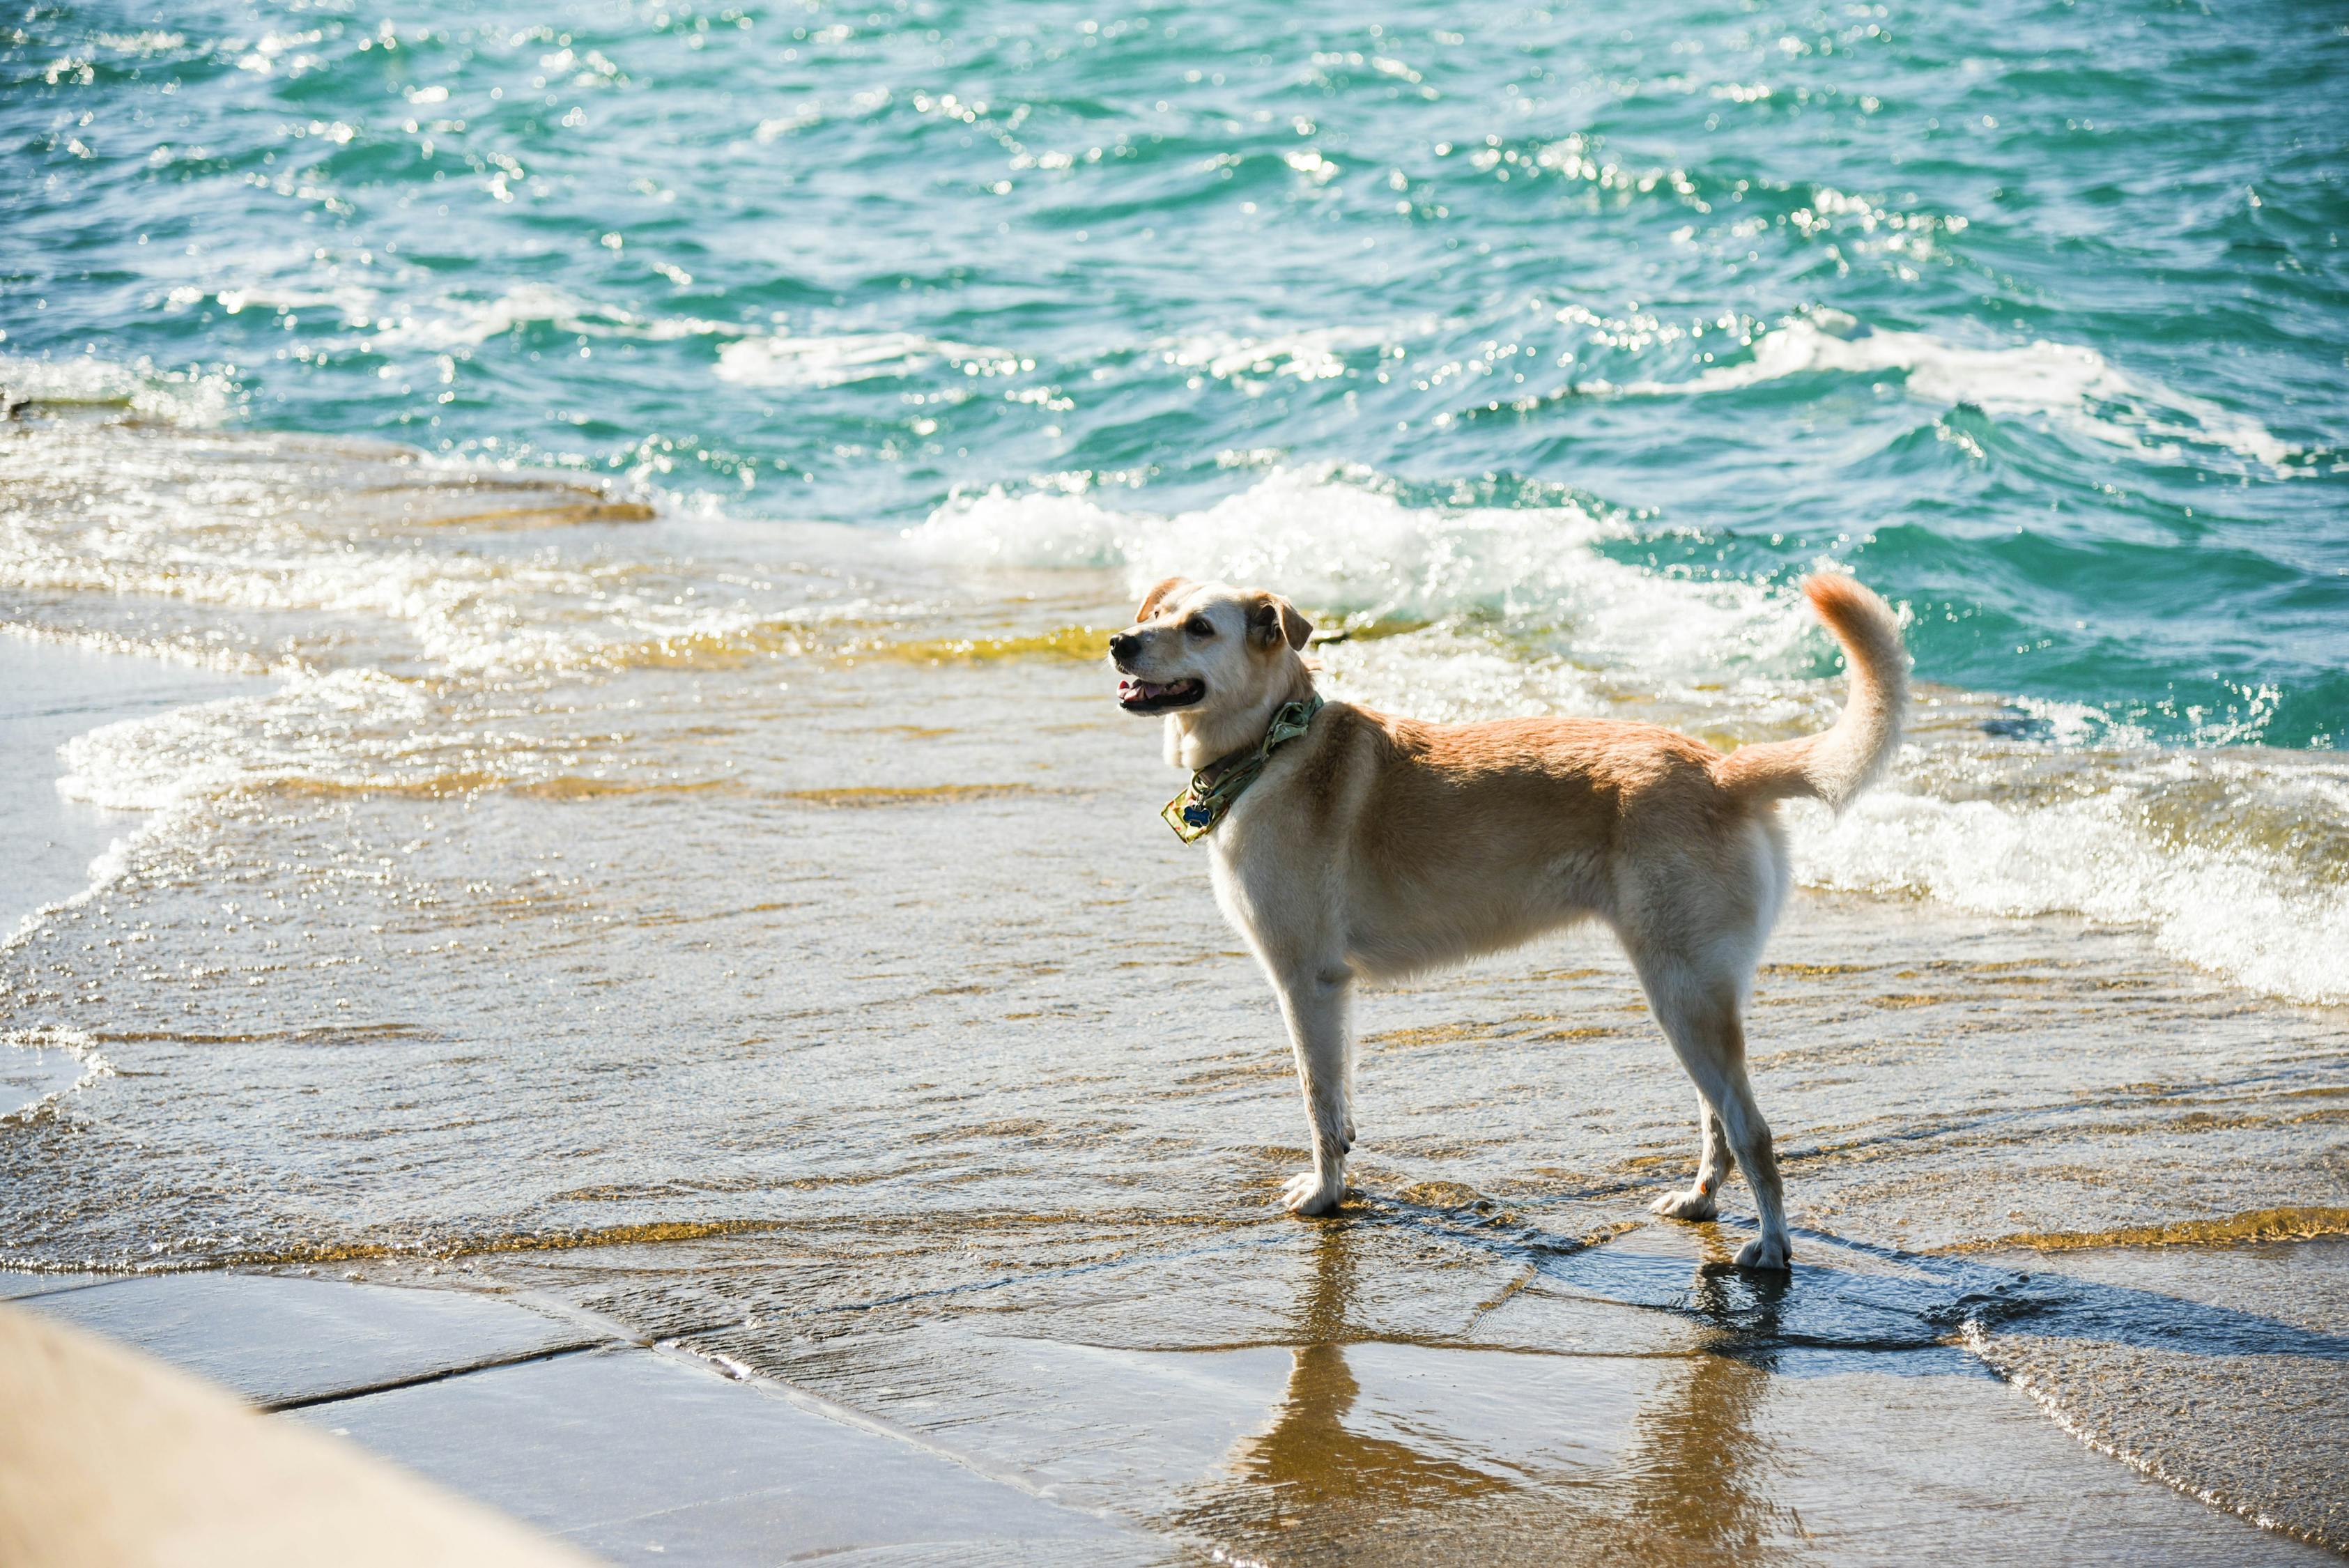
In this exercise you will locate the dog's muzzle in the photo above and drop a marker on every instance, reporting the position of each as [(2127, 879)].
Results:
[(1137, 695)]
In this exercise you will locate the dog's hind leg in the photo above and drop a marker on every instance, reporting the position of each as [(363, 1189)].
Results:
[(1315, 1004), (1702, 1200), (1699, 1012), (1749, 1134)]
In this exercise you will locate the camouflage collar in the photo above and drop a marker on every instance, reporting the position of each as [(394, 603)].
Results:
[(1213, 789)]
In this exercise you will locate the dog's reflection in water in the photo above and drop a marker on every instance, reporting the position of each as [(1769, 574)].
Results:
[(1310, 1458), (1697, 1468), (1329, 1481)]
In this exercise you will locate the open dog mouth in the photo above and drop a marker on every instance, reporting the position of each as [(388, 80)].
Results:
[(1151, 697)]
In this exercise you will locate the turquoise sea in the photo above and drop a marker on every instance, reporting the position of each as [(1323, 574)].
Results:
[(617, 508), (2033, 314)]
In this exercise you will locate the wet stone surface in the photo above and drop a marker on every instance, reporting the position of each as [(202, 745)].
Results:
[(641, 1459), (1404, 1386), (290, 1342)]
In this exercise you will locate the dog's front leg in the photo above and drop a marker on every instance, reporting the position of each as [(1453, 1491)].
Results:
[(1314, 1002), (1702, 1200)]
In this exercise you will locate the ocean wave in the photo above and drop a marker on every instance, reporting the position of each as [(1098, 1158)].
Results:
[(2064, 381), (308, 728), (466, 616), (2259, 917), (351, 301), (347, 732), (464, 612), (1341, 544)]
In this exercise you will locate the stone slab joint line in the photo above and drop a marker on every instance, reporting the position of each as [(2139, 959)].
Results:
[(439, 1374), (672, 1348)]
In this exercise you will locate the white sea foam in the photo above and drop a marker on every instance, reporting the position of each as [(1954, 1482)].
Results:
[(152, 41), (454, 321), (464, 612), (835, 360), (2250, 916), (2062, 380), (163, 764), (166, 765), (353, 302), (1313, 355)]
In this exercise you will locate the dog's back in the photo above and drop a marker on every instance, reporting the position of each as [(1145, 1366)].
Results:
[(1442, 841)]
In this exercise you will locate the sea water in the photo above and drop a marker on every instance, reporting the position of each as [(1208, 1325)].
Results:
[(675, 468)]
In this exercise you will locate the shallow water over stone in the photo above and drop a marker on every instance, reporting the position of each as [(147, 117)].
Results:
[(767, 938)]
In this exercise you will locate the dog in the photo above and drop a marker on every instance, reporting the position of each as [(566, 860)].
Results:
[(1374, 847)]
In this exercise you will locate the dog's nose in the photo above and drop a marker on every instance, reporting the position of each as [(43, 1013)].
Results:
[(1124, 644)]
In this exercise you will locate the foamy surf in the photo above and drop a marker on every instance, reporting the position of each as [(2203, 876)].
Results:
[(350, 727), (2256, 919), (400, 570)]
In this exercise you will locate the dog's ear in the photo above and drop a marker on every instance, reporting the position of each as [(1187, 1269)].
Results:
[(1155, 597), (1273, 620)]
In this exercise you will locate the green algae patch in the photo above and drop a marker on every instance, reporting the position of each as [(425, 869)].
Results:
[(2290, 1224), (1082, 643)]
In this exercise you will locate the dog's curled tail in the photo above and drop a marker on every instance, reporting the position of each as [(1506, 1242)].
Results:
[(1838, 764)]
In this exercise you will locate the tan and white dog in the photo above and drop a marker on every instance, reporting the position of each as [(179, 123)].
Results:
[(1373, 847)]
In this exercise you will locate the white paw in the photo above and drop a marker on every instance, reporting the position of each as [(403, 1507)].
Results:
[(1766, 1251), (1308, 1193), (1696, 1203)]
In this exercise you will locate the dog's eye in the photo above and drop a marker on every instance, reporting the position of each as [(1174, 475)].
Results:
[(1200, 626)]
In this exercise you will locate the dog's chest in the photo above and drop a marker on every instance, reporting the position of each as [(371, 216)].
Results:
[(1260, 864)]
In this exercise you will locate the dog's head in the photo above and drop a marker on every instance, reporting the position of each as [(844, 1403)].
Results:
[(1216, 659)]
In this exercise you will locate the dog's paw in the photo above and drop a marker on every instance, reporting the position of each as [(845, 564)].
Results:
[(1696, 1203), (1307, 1193), (1766, 1251)]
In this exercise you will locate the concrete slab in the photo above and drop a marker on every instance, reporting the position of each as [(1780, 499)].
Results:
[(641, 1457), (282, 1341), (108, 1458)]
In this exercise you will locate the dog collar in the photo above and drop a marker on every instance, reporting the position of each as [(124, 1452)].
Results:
[(1194, 813)]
